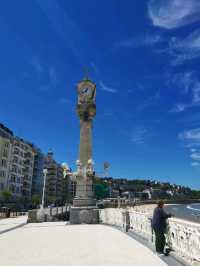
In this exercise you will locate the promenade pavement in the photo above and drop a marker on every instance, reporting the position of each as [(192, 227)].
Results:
[(12, 223), (58, 244)]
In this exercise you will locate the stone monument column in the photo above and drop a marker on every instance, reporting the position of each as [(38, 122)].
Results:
[(85, 150), (84, 204)]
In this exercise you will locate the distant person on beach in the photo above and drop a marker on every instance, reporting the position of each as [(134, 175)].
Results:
[(159, 226)]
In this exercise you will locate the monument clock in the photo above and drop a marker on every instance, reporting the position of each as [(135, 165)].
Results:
[(84, 204)]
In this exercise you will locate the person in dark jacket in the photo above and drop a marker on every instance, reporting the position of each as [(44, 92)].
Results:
[(159, 226)]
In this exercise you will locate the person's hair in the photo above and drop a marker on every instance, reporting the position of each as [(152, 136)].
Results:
[(160, 203)]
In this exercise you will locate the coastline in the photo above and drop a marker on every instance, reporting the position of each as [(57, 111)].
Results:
[(185, 212), (180, 211)]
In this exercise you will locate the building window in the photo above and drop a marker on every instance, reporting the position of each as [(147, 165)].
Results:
[(19, 170), (14, 168), (4, 163), (12, 188), (6, 145), (2, 173), (16, 151), (15, 159), (13, 178), (5, 153), (17, 190)]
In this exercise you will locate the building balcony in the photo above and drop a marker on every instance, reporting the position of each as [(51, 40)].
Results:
[(28, 155)]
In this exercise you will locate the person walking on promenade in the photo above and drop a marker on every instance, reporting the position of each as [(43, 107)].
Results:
[(159, 226)]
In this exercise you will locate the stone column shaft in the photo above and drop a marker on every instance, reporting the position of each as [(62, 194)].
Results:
[(85, 150), (84, 187)]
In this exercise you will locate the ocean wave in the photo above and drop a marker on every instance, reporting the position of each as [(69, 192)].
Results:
[(192, 208)]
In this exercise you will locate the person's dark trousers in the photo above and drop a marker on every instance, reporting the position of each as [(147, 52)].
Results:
[(160, 241)]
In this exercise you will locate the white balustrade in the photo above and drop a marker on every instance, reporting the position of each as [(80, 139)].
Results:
[(59, 210), (54, 211), (111, 216), (47, 211), (141, 224), (182, 236)]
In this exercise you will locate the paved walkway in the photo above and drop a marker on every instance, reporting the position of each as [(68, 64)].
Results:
[(58, 244), (12, 223)]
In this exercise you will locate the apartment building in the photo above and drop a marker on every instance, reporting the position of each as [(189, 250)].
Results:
[(6, 136), (16, 164), (54, 180), (38, 178), (21, 168), (72, 189)]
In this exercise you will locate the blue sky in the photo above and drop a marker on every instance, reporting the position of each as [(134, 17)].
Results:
[(144, 57)]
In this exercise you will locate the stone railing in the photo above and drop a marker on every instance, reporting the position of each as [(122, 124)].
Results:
[(11, 214), (141, 224), (111, 216), (55, 210), (46, 214), (183, 236)]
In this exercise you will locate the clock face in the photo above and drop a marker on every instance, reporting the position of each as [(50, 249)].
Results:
[(85, 95)]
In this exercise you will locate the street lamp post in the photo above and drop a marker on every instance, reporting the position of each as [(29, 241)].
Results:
[(66, 169), (66, 174), (44, 185)]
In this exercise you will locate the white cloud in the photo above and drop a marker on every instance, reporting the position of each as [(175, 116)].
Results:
[(195, 164), (184, 49), (190, 86), (184, 81), (171, 14), (47, 76), (195, 156), (74, 38), (143, 40), (183, 107), (138, 135), (192, 138), (191, 135), (178, 108), (192, 144), (196, 93), (107, 88)]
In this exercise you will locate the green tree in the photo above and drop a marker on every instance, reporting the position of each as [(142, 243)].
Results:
[(101, 191), (50, 200), (35, 200), (6, 195)]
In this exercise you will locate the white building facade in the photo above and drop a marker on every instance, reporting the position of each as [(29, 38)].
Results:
[(16, 164)]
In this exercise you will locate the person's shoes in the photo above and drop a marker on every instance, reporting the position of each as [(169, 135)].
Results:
[(160, 254), (167, 251)]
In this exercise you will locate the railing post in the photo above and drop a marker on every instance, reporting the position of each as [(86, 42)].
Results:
[(119, 202), (126, 221)]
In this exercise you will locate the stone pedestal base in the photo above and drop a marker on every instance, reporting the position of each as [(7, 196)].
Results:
[(84, 202), (84, 215)]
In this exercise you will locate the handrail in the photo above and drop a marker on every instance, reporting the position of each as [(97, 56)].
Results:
[(182, 236)]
